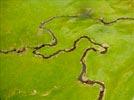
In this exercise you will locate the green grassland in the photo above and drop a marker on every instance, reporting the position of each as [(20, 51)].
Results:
[(56, 78)]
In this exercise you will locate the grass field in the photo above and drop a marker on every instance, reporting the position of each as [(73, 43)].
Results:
[(28, 77)]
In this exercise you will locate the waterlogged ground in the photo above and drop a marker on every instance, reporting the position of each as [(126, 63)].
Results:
[(25, 76)]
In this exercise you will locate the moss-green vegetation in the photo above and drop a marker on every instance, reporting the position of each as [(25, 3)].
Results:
[(22, 75)]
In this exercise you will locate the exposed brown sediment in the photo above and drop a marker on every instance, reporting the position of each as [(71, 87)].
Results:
[(114, 21), (68, 49), (82, 77), (18, 50)]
